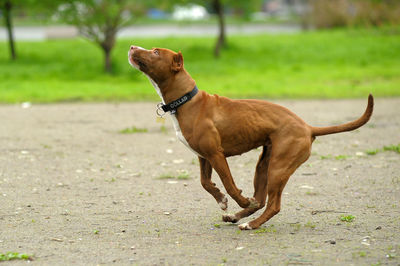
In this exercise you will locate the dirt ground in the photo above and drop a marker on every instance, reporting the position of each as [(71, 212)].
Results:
[(74, 190)]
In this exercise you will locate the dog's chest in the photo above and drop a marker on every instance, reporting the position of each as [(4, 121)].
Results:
[(179, 134), (175, 122)]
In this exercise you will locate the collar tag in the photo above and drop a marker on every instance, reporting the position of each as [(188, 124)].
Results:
[(160, 111)]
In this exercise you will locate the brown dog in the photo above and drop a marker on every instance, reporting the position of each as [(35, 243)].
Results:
[(216, 127)]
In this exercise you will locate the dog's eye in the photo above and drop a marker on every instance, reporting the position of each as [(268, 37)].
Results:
[(156, 52)]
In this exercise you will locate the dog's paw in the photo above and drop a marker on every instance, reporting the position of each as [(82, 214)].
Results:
[(253, 203), (245, 226), (229, 218), (223, 203)]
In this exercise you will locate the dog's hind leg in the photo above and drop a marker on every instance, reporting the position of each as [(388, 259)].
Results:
[(205, 177), (286, 157), (260, 187)]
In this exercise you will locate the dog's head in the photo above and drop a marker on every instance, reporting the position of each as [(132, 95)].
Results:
[(158, 63)]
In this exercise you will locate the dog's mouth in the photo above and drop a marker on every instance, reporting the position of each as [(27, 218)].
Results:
[(141, 64), (131, 61), (137, 62)]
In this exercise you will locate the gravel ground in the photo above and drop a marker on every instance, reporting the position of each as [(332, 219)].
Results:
[(74, 190)]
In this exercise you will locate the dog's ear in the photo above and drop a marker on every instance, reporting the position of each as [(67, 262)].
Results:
[(177, 62)]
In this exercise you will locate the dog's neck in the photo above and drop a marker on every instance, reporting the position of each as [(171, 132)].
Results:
[(174, 87)]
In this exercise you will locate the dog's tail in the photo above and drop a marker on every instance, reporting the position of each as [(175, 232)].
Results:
[(320, 131)]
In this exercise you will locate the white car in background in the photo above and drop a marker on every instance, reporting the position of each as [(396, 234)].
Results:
[(190, 12)]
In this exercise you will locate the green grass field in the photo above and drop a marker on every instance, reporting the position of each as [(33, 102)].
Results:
[(329, 64)]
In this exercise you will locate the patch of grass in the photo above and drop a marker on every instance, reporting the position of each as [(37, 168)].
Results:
[(347, 218), (301, 65), (310, 193), (395, 148), (15, 256), (181, 175), (372, 152), (217, 225), (111, 180), (341, 157), (337, 157), (166, 176), (260, 230), (195, 161), (296, 226), (269, 229), (310, 225), (163, 129), (361, 254), (133, 130)]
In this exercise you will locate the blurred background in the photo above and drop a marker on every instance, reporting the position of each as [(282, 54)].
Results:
[(67, 50)]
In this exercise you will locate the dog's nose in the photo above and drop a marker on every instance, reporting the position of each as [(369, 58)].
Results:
[(133, 47)]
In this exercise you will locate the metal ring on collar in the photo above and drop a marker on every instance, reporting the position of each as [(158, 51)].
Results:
[(160, 112)]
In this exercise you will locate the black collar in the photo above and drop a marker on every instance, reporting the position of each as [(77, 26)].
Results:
[(173, 106)]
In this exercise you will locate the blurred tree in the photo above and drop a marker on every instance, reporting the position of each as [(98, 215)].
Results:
[(217, 6), (221, 40), (343, 13), (244, 8), (98, 20), (6, 6)]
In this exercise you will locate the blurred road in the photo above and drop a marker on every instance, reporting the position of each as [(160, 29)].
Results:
[(143, 31)]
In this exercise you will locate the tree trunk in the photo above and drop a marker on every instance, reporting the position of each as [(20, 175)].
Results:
[(7, 19), (221, 42), (107, 61), (107, 48), (108, 44)]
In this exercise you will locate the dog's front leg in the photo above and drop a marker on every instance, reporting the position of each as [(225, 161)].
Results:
[(205, 175), (219, 163), (260, 187)]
